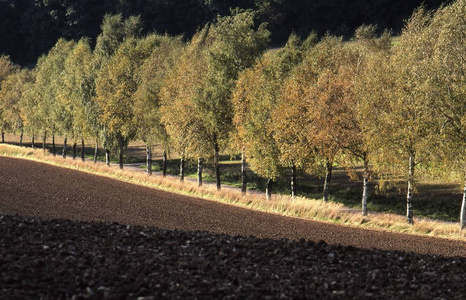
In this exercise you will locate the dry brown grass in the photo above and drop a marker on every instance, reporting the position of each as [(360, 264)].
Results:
[(304, 208)]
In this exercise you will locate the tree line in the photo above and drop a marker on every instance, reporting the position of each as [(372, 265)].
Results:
[(30, 28), (395, 107)]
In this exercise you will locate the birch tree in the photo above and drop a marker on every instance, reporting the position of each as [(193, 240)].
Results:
[(114, 30), (147, 100), (256, 96), (254, 100), (448, 84), (7, 68), (52, 116), (217, 54), (75, 93), (368, 46), (179, 114), (115, 86), (403, 118), (290, 112), (235, 47), (11, 94), (28, 103), (322, 88)]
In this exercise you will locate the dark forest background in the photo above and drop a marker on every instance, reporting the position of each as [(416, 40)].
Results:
[(29, 28)]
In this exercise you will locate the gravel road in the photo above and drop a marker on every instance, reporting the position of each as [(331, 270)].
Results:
[(70, 235)]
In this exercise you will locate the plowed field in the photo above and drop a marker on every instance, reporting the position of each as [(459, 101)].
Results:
[(71, 235)]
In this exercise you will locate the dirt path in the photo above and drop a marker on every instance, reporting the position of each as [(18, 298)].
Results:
[(34, 189)]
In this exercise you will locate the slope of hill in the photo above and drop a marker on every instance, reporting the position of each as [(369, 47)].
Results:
[(29, 28)]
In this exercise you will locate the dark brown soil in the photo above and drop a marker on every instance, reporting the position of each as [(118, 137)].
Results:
[(211, 254)]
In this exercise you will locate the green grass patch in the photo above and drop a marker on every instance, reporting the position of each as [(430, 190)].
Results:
[(428, 202)]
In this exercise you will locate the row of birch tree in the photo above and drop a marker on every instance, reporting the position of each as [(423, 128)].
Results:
[(394, 107)]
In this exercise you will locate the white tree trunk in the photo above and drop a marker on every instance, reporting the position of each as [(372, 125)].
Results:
[(107, 151), (293, 181), (463, 207), (365, 187), (107, 156), (409, 197)]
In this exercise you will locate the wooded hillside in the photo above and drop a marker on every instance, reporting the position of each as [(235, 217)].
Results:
[(30, 28)]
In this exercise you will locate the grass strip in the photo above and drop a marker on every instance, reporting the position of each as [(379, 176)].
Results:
[(299, 207)]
